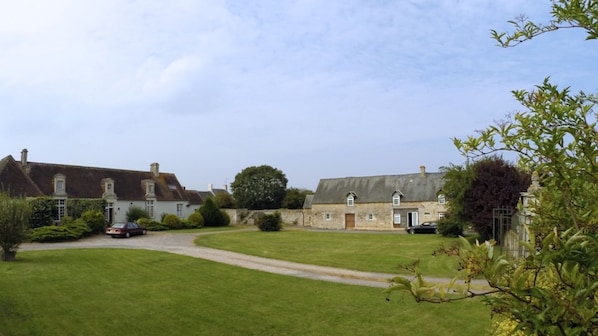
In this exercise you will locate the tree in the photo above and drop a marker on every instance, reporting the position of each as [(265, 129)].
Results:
[(225, 200), (262, 187), (474, 191), (212, 215), (553, 290), (14, 219), (294, 198)]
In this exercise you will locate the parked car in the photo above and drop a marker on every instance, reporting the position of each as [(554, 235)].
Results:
[(425, 227), (125, 230)]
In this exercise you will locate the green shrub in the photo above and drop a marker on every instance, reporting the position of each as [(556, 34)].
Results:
[(226, 218), (95, 220), (42, 211), (75, 207), (195, 220), (172, 221), (135, 212), (211, 213), (450, 227), (152, 225), (271, 222), (72, 230)]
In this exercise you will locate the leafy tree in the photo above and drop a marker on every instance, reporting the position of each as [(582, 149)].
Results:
[(212, 215), (294, 198), (224, 200), (14, 219), (262, 187), (553, 290), (474, 191)]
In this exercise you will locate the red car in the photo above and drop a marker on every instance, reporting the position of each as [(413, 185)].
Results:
[(125, 230)]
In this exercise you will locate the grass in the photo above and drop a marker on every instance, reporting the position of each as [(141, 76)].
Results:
[(373, 252), (138, 292)]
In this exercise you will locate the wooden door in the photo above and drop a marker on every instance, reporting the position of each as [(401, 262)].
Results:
[(349, 221)]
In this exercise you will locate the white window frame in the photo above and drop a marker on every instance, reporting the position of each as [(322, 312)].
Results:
[(149, 208), (395, 217), (351, 200), (179, 209), (327, 216), (396, 199), (60, 209), (370, 217), (441, 199)]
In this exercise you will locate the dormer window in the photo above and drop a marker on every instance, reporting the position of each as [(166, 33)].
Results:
[(150, 190), (351, 199), (59, 184), (396, 198), (441, 199), (108, 186)]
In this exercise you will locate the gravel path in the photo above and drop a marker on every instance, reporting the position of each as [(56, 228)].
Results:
[(182, 243)]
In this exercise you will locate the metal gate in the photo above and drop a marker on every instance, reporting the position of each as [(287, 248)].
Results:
[(502, 223)]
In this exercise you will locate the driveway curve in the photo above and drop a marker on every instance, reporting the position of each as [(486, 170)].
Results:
[(183, 244)]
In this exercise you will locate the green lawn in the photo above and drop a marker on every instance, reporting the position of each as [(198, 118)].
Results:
[(138, 292), (363, 251)]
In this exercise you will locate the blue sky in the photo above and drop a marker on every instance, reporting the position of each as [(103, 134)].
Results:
[(317, 89)]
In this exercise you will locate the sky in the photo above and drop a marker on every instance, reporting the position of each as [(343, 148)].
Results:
[(315, 88)]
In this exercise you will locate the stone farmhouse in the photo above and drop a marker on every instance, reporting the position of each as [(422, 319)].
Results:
[(386, 202), (155, 191)]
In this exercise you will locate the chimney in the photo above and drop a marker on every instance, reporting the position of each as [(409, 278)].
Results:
[(24, 158), (210, 187), (422, 171), (155, 168)]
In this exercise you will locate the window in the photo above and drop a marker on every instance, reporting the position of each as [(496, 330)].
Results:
[(327, 216), (370, 216), (149, 207), (350, 200), (441, 199), (396, 218), (59, 185), (109, 186), (441, 215), (179, 210), (396, 199), (61, 209)]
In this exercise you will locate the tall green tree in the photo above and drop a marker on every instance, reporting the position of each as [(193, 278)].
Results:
[(553, 291), (262, 187), (295, 197), (14, 220)]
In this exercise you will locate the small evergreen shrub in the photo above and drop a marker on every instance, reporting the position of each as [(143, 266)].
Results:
[(449, 227), (271, 222), (152, 225), (211, 213), (71, 230), (172, 221)]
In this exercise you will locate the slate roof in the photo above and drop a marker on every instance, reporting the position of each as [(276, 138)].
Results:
[(379, 189), (14, 180), (86, 182)]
